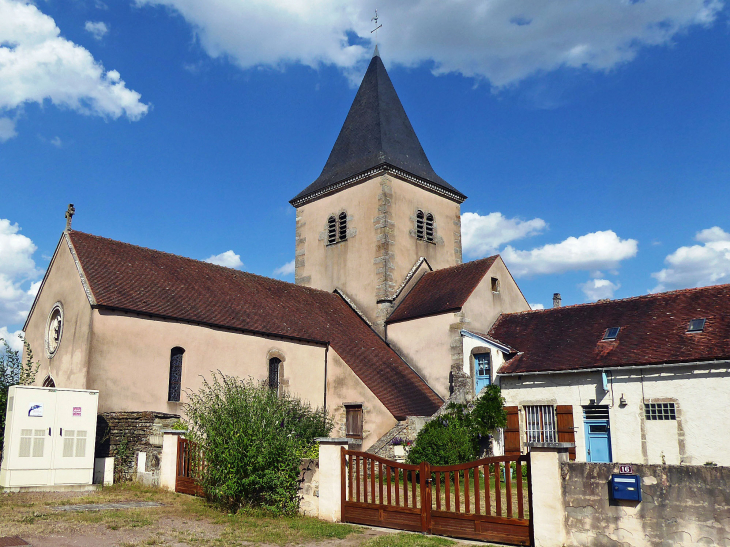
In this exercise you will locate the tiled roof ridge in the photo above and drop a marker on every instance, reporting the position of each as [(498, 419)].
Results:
[(465, 264), (198, 261), (617, 300)]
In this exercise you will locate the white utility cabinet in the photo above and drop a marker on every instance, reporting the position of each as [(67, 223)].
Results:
[(49, 438)]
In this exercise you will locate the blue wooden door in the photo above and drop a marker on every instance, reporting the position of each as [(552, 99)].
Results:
[(598, 441), (483, 375)]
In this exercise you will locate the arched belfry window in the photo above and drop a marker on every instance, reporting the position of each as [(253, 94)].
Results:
[(275, 371), (419, 225), (343, 226), (331, 230), (429, 227), (176, 360)]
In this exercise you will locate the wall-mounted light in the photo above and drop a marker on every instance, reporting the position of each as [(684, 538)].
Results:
[(622, 401)]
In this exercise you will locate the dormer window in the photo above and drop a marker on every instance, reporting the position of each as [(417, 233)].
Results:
[(611, 333), (696, 325)]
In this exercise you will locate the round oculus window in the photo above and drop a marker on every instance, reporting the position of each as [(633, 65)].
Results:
[(54, 329)]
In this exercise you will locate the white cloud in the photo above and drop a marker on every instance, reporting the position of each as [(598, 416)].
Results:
[(698, 265), (7, 129), (229, 259), (57, 142), (36, 64), (97, 29), (17, 268), (537, 306), (286, 269), (503, 41), (590, 252), (598, 289), (483, 235), (12, 339)]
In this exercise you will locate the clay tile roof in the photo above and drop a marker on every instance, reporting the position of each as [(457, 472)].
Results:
[(653, 331), (442, 290), (126, 277), (376, 132)]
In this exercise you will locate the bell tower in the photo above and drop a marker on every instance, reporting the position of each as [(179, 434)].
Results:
[(377, 207)]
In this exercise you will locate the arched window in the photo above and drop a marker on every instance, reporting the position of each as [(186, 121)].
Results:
[(48, 381), (176, 359), (419, 225), (343, 226), (275, 367), (331, 230), (429, 227)]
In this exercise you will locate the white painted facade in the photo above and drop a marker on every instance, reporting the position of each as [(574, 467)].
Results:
[(699, 392)]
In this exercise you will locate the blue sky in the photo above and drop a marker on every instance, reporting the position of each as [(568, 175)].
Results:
[(592, 140)]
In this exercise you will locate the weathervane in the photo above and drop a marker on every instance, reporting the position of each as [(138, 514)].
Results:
[(375, 30)]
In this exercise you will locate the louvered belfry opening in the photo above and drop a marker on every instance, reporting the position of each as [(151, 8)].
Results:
[(331, 230), (429, 227), (343, 226), (420, 230), (174, 386)]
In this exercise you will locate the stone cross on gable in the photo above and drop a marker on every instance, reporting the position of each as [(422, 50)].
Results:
[(69, 215)]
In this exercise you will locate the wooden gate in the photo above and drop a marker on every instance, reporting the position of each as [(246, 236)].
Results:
[(486, 499), (189, 464)]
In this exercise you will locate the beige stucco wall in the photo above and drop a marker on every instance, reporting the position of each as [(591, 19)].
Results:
[(130, 362), (484, 306), (381, 247), (344, 386), (697, 436), (425, 344), (62, 283)]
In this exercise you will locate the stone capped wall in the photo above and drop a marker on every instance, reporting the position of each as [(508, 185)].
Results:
[(682, 505), (122, 435)]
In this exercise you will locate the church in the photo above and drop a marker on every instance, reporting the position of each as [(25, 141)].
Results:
[(384, 322)]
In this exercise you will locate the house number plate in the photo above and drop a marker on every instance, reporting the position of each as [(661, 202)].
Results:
[(626, 469)]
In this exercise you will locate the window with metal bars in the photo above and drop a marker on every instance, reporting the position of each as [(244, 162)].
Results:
[(331, 230), (540, 424), (429, 227), (274, 373), (660, 411), (343, 226), (175, 383)]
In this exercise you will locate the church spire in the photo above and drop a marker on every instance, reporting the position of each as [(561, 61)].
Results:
[(376, 134)]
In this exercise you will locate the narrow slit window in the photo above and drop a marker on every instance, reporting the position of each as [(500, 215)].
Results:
[(343, 226), (611, 333), (331, 230), (420, 229), (175, 383), (696, 325), (274, 374), (429, 227)]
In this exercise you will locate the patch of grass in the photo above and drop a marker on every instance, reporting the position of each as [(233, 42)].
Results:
[(408, 540)]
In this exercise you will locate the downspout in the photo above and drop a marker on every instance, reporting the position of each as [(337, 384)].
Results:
[(326, 349)]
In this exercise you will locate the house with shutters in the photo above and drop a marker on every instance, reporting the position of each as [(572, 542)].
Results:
[(385, 323), (639, 380)]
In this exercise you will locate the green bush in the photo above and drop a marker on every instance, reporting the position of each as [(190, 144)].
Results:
[(253, 442), (455, 436), (443, 441), (13, 371)]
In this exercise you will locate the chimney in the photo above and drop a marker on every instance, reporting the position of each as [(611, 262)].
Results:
[(556, 300)]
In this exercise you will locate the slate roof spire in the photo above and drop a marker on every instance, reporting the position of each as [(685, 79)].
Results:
[(376, 134)]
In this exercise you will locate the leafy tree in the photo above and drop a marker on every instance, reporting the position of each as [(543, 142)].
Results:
[(253, 441), (455, 436), (14, 371)]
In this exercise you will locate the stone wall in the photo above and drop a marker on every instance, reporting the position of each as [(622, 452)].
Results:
[(682, 505), (122, 435), (309, 487)]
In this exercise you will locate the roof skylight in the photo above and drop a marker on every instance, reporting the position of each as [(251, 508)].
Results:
[(611, 333), (696, 325)]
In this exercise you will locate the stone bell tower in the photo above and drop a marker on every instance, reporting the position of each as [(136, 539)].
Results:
[(377, 207)]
